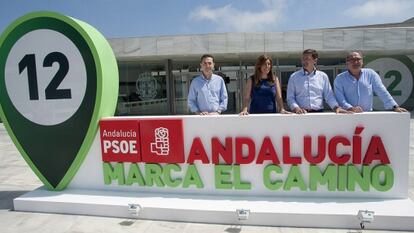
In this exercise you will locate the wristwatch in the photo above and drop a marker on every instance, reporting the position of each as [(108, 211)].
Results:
[(395, 106)]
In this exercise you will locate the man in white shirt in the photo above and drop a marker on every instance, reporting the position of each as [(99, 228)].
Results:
[(207, 94), (308, 87), (354, 88)]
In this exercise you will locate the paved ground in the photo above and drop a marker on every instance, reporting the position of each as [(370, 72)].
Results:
[(16, 178)]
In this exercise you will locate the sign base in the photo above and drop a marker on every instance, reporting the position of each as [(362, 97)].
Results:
[(389, 214)]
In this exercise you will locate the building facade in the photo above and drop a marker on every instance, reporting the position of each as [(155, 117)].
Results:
[(155, 72)]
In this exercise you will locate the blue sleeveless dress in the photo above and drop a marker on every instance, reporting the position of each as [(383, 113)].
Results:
[(262, 98)]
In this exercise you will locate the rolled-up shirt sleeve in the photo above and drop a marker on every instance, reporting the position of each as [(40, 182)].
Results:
[(382, 92), (340, 94), (223, 98), (192, 98), (290, 95)]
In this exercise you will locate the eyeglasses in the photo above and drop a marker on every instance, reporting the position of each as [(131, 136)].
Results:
[(354, 59)]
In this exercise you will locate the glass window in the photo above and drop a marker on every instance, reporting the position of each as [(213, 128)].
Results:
[(142, 89), (285, 75), (182, 82), (230, 78), (143, 86)]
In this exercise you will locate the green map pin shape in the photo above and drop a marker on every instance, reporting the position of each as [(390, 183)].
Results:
[(58, 77)]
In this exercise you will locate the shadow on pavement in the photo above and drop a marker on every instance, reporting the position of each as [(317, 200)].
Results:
[(6, 198), (127, 223), (234, 229)]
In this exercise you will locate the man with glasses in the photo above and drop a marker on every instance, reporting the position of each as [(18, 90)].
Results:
[(207, 94), (309, 87), (354, 88)]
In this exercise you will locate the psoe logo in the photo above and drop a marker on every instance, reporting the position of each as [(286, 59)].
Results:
[(162, 141), (161, 146)]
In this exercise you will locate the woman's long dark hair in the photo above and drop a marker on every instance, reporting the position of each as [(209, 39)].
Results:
[(271, 78)]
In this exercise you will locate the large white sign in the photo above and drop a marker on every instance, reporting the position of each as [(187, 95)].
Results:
[(322, 154)]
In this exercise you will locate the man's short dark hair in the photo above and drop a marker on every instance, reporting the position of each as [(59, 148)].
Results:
[(206, 56), (349, 54), (312, 52)]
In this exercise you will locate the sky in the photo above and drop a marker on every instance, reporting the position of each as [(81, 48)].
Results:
[(137, 18)]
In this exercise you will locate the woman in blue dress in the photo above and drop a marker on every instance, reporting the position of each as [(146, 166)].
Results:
[(263, 92)]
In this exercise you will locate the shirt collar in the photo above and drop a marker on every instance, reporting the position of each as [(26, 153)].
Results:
[(308, 73), (206, 79), (353, 77)]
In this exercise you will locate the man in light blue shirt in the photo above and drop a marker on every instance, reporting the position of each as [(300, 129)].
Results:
[(354, 88), (308, 87), (207, 94)]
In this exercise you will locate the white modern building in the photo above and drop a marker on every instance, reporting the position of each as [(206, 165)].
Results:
[(155, 72)]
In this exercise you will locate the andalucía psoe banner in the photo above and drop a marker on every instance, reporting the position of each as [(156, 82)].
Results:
[(58, 78), (324, 154)]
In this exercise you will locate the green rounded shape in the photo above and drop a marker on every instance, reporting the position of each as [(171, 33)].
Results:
[(56, 152), (409, 103)]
